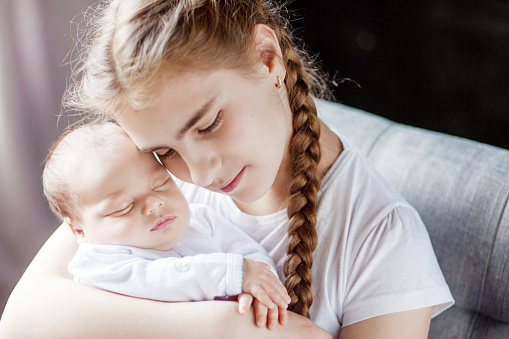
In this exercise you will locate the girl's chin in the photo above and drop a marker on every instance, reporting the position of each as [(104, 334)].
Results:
[(250, 197)]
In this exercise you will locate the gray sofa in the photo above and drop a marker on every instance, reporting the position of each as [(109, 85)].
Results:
[(461, 190)]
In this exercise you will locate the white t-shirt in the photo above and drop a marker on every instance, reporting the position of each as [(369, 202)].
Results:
[(374, 255), (179, 274)]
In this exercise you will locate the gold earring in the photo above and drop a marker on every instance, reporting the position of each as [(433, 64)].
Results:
[(278, 85)]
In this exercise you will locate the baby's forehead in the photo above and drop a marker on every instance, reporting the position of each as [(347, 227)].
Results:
[(96, 139), (98, 175), (92, 145)]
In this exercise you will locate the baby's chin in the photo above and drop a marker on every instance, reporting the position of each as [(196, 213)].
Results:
[(81, 240), (165, 247)]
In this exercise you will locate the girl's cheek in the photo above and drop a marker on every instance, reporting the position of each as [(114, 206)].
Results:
[(178, 168), (240, 133)]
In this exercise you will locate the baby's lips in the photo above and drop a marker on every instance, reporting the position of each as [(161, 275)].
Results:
[(162, 223)]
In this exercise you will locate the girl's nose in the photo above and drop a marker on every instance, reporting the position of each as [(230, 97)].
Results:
[(153, 204), (203, 168)]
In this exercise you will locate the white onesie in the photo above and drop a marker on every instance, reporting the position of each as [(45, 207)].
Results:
[(207, 263)]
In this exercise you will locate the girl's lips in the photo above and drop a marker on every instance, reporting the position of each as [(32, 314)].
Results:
[(230, 186), (162, 223)]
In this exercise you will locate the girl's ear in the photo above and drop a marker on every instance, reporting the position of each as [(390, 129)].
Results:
[(267, 46), (75, 228)]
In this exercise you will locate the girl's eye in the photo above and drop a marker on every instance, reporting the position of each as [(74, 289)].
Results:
[(167, 154), (214, 125)]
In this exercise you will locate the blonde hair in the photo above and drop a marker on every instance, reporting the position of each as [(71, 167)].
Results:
[(130, 41), (69, 152)]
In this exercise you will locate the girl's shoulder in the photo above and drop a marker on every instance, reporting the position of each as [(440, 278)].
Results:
[(354, 192), (354, 170)]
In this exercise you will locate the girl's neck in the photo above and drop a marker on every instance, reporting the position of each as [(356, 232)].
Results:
[(275, 199)]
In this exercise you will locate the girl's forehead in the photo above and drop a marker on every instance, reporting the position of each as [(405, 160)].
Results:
[(182, 89), (174, 103)]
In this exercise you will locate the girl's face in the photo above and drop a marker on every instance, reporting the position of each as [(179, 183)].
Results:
[(218, 129)]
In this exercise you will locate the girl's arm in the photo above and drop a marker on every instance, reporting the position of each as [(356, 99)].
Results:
[(47, 304)]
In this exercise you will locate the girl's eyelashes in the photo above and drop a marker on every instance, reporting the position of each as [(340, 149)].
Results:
[(167, 154), (214, 125)]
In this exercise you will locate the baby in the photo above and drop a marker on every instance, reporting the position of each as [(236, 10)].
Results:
[(139, 236)]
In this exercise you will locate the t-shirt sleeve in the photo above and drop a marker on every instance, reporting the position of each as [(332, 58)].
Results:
[(394, 269)]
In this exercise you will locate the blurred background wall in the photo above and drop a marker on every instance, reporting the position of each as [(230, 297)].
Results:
[(436, 64), (35, 38), (440, 65)]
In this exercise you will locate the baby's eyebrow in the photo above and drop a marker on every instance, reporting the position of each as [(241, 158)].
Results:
[(106, 205)]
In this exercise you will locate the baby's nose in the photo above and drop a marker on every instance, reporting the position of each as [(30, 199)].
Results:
[(154, 203)]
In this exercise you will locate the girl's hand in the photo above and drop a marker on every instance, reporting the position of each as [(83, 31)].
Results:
[(263, 315)]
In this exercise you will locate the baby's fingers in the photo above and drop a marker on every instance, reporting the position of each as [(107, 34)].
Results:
[(260, 313), (279, 293), (272, 318), (262, 297), (245, 300), (259, 281), (283, 316), (275, 290)]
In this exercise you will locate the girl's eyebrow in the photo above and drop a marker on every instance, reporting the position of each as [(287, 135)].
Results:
[(196, 117), (190, 123)]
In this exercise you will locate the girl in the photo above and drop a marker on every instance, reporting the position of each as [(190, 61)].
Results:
[(219, 91)]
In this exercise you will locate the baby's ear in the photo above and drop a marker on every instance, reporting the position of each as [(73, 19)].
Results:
[(75, 228)]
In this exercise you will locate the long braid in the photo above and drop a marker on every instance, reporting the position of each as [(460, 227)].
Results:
[(306, 178)]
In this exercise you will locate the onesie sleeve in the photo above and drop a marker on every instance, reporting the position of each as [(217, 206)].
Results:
[(394, 269), (190, 278)]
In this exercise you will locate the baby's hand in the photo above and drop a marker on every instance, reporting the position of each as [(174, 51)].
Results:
[(271, 298), (263, 315)]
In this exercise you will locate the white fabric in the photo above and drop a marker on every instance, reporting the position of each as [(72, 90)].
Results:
[(374, 255), (178, 274)]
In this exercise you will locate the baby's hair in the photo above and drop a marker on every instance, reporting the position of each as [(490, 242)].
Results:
[(70, 151), (130, 43)]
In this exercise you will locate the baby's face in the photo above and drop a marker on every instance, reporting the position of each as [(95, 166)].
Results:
[(130, 199)]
